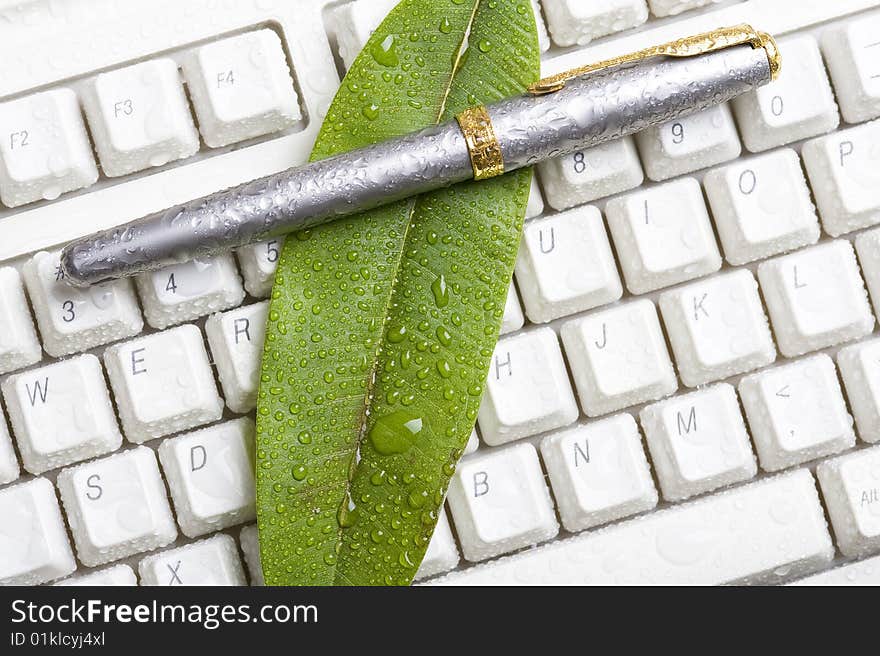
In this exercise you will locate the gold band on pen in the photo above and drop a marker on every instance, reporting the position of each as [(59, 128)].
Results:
[(482, 144)]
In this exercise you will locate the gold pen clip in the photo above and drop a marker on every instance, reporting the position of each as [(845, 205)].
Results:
[(725, 37)]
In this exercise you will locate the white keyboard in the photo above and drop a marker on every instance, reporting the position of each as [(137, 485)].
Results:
[(686, 385)]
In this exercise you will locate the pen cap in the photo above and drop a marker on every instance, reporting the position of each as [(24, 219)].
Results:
[(619, 101)]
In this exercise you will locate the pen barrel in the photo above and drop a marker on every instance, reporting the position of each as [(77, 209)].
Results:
[(295, 199), (620, 101), (588, 111)]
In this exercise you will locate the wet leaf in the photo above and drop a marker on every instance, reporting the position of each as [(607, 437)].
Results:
[(382, 326)]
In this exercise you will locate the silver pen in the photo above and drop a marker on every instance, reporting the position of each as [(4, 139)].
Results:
[(559, 115)]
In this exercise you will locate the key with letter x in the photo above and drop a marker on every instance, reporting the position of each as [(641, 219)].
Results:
[(213, 561)]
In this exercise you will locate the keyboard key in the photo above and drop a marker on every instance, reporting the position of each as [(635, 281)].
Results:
[(796, 412), (565, 265), (698, 442), (598, 472), (844, 170), (574, 22), (117, 575), (535, 205), (527, 390), (755, 533), (213, 561), (473, 443), (9, 470), (44, 148), (587, 175), (717, 328), (241, 88), (258, 263), (163, 384), (797, 105), (851, 489), (61, 413), (852, 52), (354, 22), (863, 572), (33, 539), (513, 318), (816, 298), (18, 339), (442, 554), (663, 235), (500, 503), (183, 292), (139, 117), (211, 476), (861, 376), (662, 8), (868, 248), (250, 547), (762, 206), (236, 338), (689, 143), (74, 319), (618, 358), (117, 506)]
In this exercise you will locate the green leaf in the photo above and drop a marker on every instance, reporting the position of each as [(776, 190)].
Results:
[(382, 326)]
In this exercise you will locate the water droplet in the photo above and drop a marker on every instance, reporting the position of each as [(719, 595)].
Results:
[(396, 432), (440, 291), (396, 334), (385, 52), (299, 473)]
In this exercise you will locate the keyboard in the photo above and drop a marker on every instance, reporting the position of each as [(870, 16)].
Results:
[(686, 389)]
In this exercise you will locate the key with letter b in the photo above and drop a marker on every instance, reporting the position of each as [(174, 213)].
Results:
[(500, 503)]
